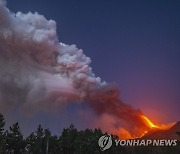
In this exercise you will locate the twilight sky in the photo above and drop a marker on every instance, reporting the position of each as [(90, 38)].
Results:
[(132, 43)]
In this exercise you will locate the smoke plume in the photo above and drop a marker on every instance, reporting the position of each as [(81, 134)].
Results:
[(38, 73)]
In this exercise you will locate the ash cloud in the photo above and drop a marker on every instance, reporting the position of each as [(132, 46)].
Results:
[(36, 70), (38, 73)]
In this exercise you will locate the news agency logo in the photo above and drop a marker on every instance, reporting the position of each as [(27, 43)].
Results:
[(105, 142)]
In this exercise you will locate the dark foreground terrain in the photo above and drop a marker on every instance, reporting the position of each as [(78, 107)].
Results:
[(73, 141)]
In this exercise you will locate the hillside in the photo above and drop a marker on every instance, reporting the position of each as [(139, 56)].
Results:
[(164, 134)]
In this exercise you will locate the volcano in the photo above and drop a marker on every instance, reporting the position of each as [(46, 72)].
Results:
[(171, 133)]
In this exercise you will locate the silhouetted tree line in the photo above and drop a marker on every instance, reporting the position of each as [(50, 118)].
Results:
[(71, 141)]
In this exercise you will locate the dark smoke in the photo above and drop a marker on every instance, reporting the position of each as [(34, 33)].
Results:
[(105, 100)]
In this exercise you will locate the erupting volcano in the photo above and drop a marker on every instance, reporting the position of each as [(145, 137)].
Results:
[(38, 73), (146, 128), (148, 122), (154, 127)]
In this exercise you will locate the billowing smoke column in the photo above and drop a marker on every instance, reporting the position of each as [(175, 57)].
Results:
[(38, 73)]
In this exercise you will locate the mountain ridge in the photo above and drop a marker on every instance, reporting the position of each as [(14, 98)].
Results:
[(171, 133)]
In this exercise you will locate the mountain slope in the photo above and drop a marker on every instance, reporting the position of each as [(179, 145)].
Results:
[(164, 134)]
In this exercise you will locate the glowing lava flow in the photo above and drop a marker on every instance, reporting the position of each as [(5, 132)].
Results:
[(148, 122), (153, 126), (150, 127)]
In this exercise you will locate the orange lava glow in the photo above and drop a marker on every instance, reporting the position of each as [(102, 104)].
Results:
[(125, 134), (151, 125), (148, 122)]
